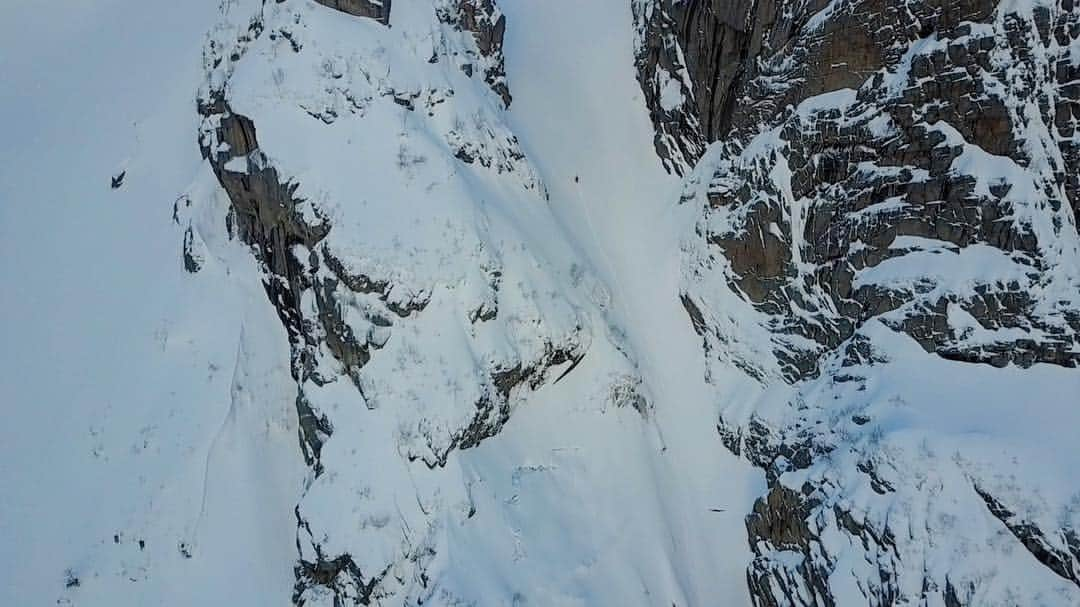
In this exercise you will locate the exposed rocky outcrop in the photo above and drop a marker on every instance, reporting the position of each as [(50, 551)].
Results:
[(378, 10), (804, 204), (264, 215), (742, 63), (1063, 558), (487, 25), (911, 164), (807, 537)]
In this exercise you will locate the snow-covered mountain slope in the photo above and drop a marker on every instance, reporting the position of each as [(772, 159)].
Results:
[(888, 244), (147, 409), (437, 280), (480, 302)]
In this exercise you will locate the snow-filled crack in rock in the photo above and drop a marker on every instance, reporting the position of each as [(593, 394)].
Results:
[(487, 24)]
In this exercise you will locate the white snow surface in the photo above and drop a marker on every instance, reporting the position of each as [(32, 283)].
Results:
[(141, 402)]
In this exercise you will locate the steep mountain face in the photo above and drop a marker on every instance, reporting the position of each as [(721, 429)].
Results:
[(421, 266), (947, 133), (411, 296), (887, 177), (619, 302)]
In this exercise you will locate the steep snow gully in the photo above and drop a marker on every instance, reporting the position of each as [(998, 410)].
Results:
[(568, 66)]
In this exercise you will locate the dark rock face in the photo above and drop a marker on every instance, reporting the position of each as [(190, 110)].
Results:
[(778, 522), (264, 215), (747, 60), (378, 10), (923, 97), (487, 24), (713, 48), (679, 137), (849, 158), (339, 575)]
